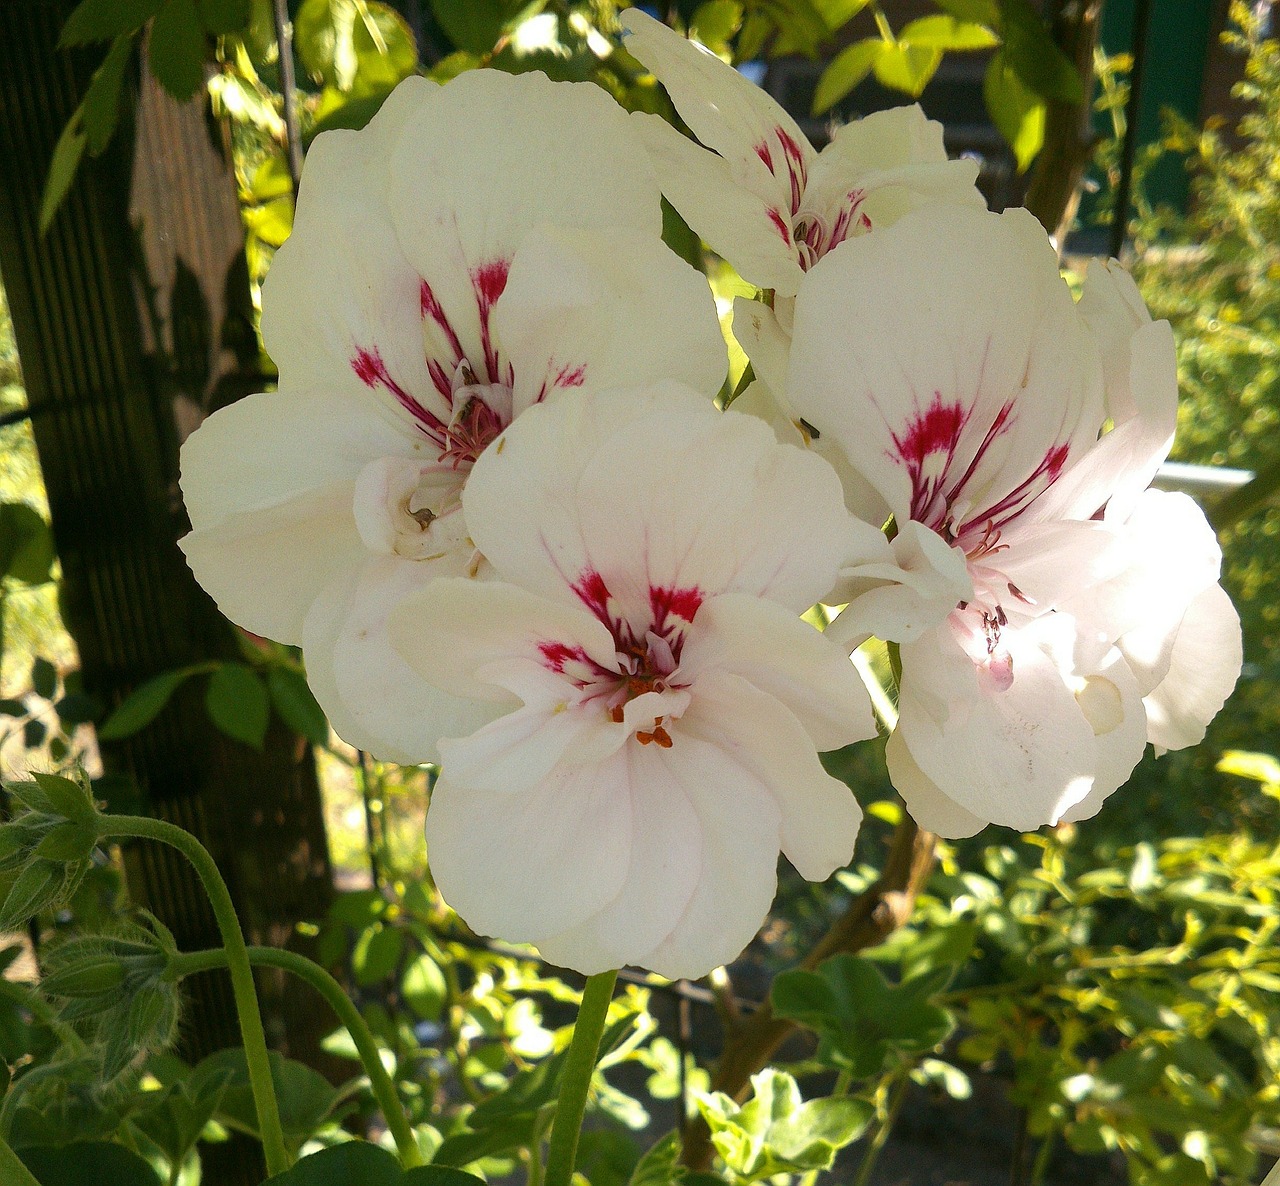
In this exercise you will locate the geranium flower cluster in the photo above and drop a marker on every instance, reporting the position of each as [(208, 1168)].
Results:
[(496, 504)]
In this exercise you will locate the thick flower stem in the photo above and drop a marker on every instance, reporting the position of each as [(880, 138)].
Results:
[(251, 1032), (12, 1171), (576, 1080), (366, 1045)]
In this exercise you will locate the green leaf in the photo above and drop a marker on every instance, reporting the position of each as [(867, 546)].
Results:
[(224, 16), (39, 884), (178, 49), (26, 543), (294, 701), (359, 1163), (143, 705), (238, 703), (85, 977), (979, 12), (62, 170), (907, 68), (477, 25), (376, 954), (103, 20), (1017, 112), (423, 988), (1031, 53), (947, 33), (67, 842), (848, 68), (384, 48), (101, 104), (84, 1162)]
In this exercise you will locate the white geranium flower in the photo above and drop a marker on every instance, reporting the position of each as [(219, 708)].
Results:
[(478, 248), (663, 703), (1072, 615), (763, 198)]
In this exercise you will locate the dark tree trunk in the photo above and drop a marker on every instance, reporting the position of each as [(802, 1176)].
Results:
[(132, 317)]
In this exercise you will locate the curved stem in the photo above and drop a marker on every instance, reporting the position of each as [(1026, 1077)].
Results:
[(576, 1080), (251, 1032), (366, 1045)]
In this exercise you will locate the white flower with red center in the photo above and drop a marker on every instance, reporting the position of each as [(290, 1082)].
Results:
[(444, 274), (662, 702), (762, 197), (1069, 615)]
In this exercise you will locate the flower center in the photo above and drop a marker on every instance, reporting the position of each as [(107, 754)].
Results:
[(480, 412)]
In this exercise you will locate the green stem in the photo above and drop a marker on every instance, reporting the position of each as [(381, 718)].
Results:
[(384, 1089), (896, 1100), (576, 1080), (12, 1171), (251, 1032)]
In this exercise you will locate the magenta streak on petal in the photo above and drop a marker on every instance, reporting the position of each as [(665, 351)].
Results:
[(372, 372), (780, 224), (584, 670), (679, 601), (430, 307), (594, 594), (489, 281), (936, 431), (795, 166), (571, 377), (762, 151), (438, 376), (998, 426), (1025, 492)]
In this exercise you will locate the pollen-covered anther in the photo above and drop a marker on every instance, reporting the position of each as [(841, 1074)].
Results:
[(657, 735)]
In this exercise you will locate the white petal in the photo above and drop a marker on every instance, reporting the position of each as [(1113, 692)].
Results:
[(522, 866), (655, 490), (264, 568), (728, 113), (782, 655), (946, 358), (268, 448), (1019, 756), (372, 697), (896, 591), (760, 735), (341, 287), (466, 188), (585, 311), (927, 805), (663, 865), (1203, 669), (476, 639), (764, 342)]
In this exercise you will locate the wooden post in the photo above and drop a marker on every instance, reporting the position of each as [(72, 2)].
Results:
[(132, 318)]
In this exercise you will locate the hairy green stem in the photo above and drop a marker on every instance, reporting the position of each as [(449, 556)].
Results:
[(12, 1171), (251, 1032), (576, 1080), (366, 1044)]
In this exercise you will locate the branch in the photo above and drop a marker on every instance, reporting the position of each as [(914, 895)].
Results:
[(872, 916)]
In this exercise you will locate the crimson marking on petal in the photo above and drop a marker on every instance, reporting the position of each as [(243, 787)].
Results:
[(998, 426), (442, 381), (1025, 492), (781, 224), (571, 377), (373, 373), (681, 602), (557, 654), (594, 594), (429, 306), (489, 281), (762, 151), (795, 166), (934, 432)]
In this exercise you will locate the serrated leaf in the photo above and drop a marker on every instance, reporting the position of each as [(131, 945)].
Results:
[(296, 704), (104, 20), (143, 705), (26, 543), (1017, 112), (62, 170), (848, 68), (238, 703), (39, 884), (177, 49), (101, 105), (67, 797)]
